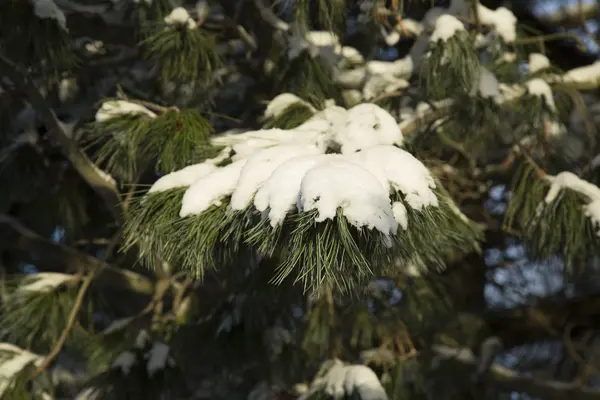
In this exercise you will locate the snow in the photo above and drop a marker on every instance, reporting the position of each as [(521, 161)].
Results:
[(367, 125), (322, 38), (10, 368), (352, 55), (592, 211), (47, 9), (279, 103), (400, 214), (378, 85), (183, 177), (356, 381), (446, 26), (502, 20), (573, 182), (539, 87), (402, 172), (211, 189), (281, 190), (124, 361), (589, 73), (180, 16), (45, 282), (260, 166), (158, 356), (488, 85), (338, 183), (116, 108), (117, 325), (538, 62)]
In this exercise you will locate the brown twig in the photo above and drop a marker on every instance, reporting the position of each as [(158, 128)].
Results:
[(70, 322)]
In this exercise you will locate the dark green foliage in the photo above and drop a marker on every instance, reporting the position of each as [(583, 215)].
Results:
[(184, 55), (117, 144), (149, 222), (451, 68), (35, 320), (293, 116), (327, 15), (137, 382), (127, 145), (309, 78), (20, 33), (550, 229)]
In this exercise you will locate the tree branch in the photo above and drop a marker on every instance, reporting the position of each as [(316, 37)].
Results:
[(508, 380), (101, 182), (43, 251), (70, 322)]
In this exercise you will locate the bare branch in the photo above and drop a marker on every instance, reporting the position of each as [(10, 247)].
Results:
[(101, 182), (43, 251)]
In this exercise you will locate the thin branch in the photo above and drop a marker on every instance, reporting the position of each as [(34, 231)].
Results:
[(101, 182), (508, 380), (43, 251), (70, 322)]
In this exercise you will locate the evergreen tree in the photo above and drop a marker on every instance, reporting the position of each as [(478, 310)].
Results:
[(294, 199)]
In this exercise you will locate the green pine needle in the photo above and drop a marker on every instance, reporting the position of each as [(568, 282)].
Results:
[(20, 33), (550, 229), (177, 136), (117, 144), (35, 320), (185, 55), (291, 117), (451, 68), (126, 145), (308, 78), (330, 14)]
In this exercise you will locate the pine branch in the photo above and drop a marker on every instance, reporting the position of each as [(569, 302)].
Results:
[(510, 381), (70, 322), (42, 250), (102, 183)]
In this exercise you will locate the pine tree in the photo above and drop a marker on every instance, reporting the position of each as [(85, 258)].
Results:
[(292, 199)]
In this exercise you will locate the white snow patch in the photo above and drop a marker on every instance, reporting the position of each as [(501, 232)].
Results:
[(117, 325), (402, 172), (573, 182), (211, 189), (488, 86), (540, 88), (180, 16), (116, 108), (45, 282), (400, 214), (279, 103), (502, 20), (260, 166), (158, 356), (124, 361), (446, 26), (378, 85), (183, 177), (338, 183), (352, 55), (281, 190), (367, 125), (11, 367), (350, 381), (48, 9), (587, 74), (538, 62)]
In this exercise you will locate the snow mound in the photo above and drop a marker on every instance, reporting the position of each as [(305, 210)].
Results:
[(367, 125), (260, 166), (342, 184), (116, 108)]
